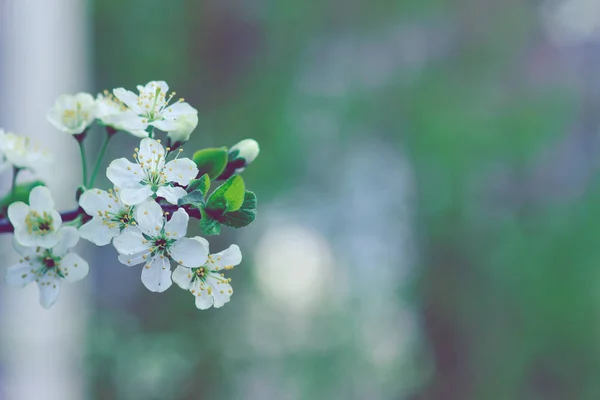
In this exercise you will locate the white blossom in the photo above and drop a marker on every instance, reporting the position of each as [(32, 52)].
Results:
[(111, 112), (153, 107), (22, 152), (48, 267), (184, 126), (207, 282), (36, 224), (72, 113), (110, 216), (156, 243), (152, 174)]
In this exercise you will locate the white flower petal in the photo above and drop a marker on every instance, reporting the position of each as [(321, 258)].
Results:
[(185, 125), (20, 275), (128, 98), (156, 275), (73, 267), (203, 300), (189, 252), (25, 251), (183, 277), (97, 232), (124, 174), (165, 125), (152, 153), (95, 200), (128, 121), (54, 116), (49, 288), (134, 259), (178, 109), (203, 241), (182, 171), (17, 212), (149, 217), (40, 199), (221, 294), (229, 257), (68, 238), (177, 225), (170, 193), (162, 85), (47, 240), (130, 242), (134, 196)]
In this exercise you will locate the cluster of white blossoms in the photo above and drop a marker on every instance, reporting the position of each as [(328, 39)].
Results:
[(146, 212), (126, 111)]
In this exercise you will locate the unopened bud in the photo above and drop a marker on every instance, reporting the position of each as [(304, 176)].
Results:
[(247, 149)]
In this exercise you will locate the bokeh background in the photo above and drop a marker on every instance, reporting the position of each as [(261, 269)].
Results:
[(429, 201)]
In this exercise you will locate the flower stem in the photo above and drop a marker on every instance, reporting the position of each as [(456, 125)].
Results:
[(99, 160), (83, 162), (13, 186)]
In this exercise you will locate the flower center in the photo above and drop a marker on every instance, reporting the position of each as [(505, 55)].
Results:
[(39, 224), (74, 118), (153, 102), (49, 262), (160, 244)]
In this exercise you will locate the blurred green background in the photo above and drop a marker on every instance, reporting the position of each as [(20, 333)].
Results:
[(429, 211)]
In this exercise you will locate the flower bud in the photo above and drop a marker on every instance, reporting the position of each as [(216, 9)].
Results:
[(240, 156), (185, 125), (247, 149)]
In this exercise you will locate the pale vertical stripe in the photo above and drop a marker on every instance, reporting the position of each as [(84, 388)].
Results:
[(42, 54)]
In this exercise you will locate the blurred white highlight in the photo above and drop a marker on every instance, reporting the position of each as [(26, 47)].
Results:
[(572, 21), (293, 266)]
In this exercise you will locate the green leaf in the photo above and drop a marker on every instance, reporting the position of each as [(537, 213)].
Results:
[(202, 184), (245, 215), (208, 225), (196, 199), (227, 197), (211, 161)]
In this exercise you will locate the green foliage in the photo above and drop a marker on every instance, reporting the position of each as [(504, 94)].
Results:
[(202, 184), (227, 197), (245, 215), (230, 204), (209, 225), (195, 199), (211, 161)]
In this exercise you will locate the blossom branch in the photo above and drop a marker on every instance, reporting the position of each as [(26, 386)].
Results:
[(67, 216)]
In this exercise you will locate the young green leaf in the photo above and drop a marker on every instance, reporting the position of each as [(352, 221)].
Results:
[(202, 184), (245, 215), (229, 196), (208, 225), (211, 161), (196, 199)]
